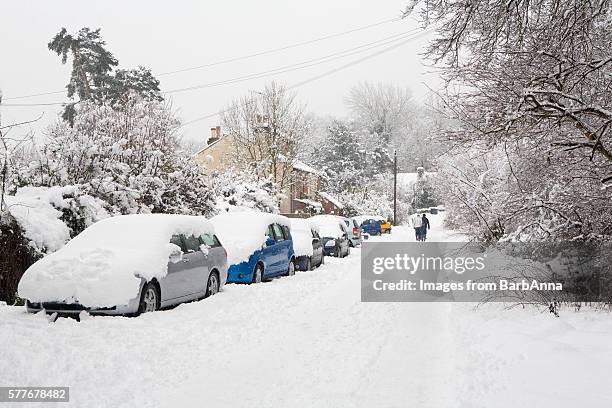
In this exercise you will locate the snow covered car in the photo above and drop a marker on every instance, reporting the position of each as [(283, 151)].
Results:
[(306, 245), (354, 231), (127, 265), (259, 245), (334, 235)]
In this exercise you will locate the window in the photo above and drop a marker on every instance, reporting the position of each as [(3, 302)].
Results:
[(286, 232), (209, 240), (216, 240), (192, 243), (278, 232), (270, 232), (178, 241)]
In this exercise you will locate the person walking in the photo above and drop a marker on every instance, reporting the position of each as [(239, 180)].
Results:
[(417, 223), (424, 227)]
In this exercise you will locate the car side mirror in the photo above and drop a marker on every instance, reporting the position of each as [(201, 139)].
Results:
[(205, 249), (176, 255)]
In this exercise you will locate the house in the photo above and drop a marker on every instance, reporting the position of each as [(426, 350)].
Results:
[(301, 195)]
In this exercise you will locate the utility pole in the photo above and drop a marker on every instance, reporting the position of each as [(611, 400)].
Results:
[(395, 187)]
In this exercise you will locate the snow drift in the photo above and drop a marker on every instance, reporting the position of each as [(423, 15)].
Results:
[(102, 266)]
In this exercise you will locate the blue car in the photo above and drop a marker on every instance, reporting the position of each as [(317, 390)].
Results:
[(371, 226), (259, 245)]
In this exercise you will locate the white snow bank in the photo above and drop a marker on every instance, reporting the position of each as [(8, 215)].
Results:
[(242, 233), (302, 236), (35, 210), (329, 225), (101, 266)]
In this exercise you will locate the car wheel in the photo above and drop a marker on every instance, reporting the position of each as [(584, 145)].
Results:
[(309, 264), (149, 298), (258, 274), (291, 269), (212, 287)]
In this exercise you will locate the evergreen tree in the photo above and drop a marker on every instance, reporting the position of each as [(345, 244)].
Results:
[(92, 78), (341, 156)]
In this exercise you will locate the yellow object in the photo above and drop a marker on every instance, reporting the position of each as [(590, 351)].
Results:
[(385, 227)]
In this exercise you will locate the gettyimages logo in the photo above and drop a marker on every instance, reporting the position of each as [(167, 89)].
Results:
[(414, 264), (466, 272)]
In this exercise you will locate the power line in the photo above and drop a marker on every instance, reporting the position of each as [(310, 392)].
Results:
[(303, 64), (287, 47), (240, 58), (322, 75), (275, 71)]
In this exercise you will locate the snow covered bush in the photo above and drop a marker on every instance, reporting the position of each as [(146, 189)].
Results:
[(127, 157), (239, 191)]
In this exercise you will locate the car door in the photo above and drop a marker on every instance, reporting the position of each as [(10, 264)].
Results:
[(288, 244), (317, 247), (196, 270), (268, 253), (172, 284), (281, 253), (216, 257)]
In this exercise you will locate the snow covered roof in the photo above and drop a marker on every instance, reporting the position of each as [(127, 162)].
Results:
[(331, 199), (102, 266), (309, 202), (208, 145), (301, 166), (243, 233)]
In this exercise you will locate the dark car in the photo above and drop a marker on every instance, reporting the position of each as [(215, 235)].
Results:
[(372, 226), (334, 235), (307, 245)]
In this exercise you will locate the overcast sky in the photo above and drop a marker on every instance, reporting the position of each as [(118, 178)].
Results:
[(171, 35)]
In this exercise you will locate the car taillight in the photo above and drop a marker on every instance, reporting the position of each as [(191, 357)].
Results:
[(355, 231), (225, 252)]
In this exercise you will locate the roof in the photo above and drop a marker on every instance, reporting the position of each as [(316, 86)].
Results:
[(331, 199), (311, 203), (301, 166), (209, 145)]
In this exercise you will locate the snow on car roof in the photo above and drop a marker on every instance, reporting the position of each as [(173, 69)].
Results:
[(101, 266), (330, 226), (244, 232)]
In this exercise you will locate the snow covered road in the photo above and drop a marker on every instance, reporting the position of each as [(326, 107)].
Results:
[(309, 341)]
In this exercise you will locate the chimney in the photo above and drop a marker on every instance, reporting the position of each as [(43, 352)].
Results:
[(215, 134)]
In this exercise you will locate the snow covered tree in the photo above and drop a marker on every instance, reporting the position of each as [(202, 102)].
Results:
[(240, 190), (92, 78), (381, 108), (266, 129), (531, 82), (341, 156), (127, 157)]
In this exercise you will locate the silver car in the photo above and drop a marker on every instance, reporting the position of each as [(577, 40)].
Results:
[(354, 231), (196, 266)]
